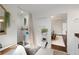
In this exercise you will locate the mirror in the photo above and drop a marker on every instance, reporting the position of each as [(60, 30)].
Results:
[(2, 26), (2, 22)]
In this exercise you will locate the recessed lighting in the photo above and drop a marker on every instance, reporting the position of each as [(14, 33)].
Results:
[(22, 12), (51, 16)]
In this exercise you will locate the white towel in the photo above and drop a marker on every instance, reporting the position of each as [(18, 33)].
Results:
[(19, 51)]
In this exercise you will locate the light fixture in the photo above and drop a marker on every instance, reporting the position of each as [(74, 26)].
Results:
[(1, 20), (51, 16), (22, 11)]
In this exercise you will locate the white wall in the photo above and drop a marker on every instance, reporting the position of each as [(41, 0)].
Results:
[(11, 36), (73, 27), (57, 25), (64, 28), (39, 24)]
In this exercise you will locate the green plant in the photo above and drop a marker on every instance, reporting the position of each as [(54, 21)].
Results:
[(7, 18), (44, 30)]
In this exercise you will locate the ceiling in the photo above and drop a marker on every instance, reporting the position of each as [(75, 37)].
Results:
[(43, 9), (60, 17)]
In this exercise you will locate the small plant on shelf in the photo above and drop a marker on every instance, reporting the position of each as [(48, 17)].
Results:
[(44, 30)]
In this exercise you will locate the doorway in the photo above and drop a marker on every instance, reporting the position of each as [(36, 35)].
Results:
[(59, 32)]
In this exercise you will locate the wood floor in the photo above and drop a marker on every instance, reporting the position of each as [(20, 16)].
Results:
[(7, 49), (57, 52), (61, 48)]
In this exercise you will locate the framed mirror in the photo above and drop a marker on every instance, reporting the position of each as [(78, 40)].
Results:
[(4, 20), (2, 26)]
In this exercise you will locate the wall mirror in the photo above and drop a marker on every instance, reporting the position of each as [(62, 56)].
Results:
[(2, 26), (2, 22)]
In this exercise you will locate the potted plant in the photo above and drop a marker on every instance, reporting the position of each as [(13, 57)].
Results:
[(44, 30), (44, 33)]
